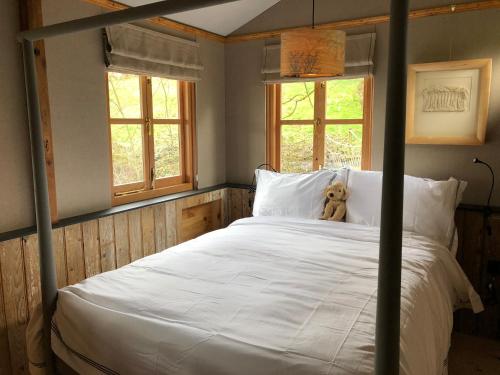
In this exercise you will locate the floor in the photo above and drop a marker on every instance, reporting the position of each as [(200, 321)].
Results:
[(472, 355)]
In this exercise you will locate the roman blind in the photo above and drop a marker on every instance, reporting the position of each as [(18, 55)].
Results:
[(358, 59), (132, 49)]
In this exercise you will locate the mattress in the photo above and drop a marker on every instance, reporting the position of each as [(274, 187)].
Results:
[(263, 296)]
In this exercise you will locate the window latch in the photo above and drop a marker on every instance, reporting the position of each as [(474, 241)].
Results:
[(317, 122), (148, 126)]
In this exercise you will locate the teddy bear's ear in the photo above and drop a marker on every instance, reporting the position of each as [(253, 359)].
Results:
[(325, 192)]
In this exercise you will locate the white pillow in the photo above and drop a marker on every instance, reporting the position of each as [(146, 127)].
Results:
[(291, 194), (429, 206)]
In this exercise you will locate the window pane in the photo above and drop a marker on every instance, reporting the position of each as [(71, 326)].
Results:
[(165, 98), (343, 146), (296, 148), (124, 95), (344, 99), (167, 150), (297, 101), (127, 151)]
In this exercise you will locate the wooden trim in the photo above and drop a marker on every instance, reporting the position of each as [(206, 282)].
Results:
[(366, 147), (187, 112), (345, 122), (147, 132), (160, 21), (32, 17), (148, 194), (271, 123), (274, 123), (367, 21), (485, 67), (191, 145), (319, 125)]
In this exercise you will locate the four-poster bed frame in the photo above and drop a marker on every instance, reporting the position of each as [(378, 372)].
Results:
[(389, 281)]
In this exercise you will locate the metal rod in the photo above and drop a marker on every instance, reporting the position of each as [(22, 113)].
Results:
[(389, 275), (42, 205), (133, 14)]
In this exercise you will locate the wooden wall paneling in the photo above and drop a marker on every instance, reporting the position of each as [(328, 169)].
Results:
[(246, 202), (493, 241), (236, 206), (160, 218), (107, 243), (135, 235), (171, 220), (148, 230), (74, 253), (224, 195), (122, 240), (91, 248), (5, 367), (470, 255), (200, 219), (59, 247), (16, 309), (179, 207), (32, 270)]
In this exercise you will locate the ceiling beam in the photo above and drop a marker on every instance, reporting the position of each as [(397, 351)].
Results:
[(160, 21), (368, 21)]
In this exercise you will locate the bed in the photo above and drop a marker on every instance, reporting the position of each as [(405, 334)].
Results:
[(267, 295)]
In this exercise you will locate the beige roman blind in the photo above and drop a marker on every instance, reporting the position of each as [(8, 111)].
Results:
[(132, 49), (358, 59)]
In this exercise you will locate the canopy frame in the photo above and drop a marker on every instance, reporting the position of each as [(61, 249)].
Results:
[(389, 282)]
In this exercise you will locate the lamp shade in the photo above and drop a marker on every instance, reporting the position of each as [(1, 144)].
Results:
[(312, 53)]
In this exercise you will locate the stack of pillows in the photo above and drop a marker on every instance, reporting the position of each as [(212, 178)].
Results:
[(429, 206)]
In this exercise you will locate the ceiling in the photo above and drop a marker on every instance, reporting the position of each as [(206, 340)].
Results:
[(220, 19)]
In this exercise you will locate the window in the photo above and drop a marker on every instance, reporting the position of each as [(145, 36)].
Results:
[(151, 122), (314, 125)]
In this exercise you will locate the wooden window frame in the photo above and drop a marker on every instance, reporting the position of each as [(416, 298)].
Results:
[(274, 123), (152, 187)]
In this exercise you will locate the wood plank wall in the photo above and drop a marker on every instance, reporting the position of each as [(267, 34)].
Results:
[(85, 249)]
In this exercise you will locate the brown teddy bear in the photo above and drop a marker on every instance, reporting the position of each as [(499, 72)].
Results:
[(335, 208)]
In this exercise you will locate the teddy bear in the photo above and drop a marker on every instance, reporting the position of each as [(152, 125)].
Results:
[(335, 208)]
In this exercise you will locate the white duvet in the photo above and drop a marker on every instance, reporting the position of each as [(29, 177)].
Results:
[(264, 296)]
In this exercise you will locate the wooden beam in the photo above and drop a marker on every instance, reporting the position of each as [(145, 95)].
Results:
[(368, 21), (32, 17), (160, 21)]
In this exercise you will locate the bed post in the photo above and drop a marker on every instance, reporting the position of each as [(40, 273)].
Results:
[(42, 205), (389, 275)]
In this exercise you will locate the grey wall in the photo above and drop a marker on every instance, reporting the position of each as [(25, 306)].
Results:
[(16, 194), (76, 75), (440, 38)]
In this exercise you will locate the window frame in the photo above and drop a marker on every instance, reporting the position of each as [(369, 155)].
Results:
[(274, 123), (152, 187)]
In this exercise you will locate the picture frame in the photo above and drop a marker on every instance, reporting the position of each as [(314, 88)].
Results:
[(447, 102)]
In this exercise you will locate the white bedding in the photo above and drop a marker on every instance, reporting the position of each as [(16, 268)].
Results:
[(264, 296)]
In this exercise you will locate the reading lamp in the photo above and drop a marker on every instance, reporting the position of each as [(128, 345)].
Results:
[(487, 211)]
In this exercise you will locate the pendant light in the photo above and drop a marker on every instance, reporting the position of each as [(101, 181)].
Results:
[(311, 53)]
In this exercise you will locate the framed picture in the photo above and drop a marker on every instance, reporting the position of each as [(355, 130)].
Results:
[(447, 102)]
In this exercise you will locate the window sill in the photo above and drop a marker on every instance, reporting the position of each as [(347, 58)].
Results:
[(148, 194)]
